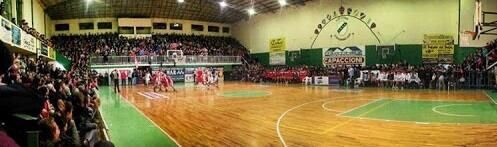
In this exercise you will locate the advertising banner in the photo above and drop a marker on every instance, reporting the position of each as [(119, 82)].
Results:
[(334, 80), (321, 80), (16, 36), (189, 75), (277, 47), (438, 49), (5, 31), (177, 74), (43, 50), (351, 55), (189, 78), (28, 42), (51, 53)]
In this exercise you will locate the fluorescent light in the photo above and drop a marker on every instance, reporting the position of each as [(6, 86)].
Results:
[(251, 11), (223, 4), (282, 2), (181, 1)]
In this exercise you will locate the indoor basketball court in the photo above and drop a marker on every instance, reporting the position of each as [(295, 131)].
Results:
[(248, 73), (251, 114)]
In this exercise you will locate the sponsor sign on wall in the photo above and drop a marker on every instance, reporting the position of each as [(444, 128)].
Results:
[(5, 31), (438, 49), (43, 49), (16, 36), (351, 55), (51, 53), (177, 74), (189, 75), (28, 42), (321, 80), (277, 47)]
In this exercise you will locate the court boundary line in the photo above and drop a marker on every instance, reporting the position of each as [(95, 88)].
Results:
[(490, 97), (278, 132), (331, 110), (434, 109), (362, 114), (363, 105), (413, 99), (163, 131), (269, 94), (417, 122)]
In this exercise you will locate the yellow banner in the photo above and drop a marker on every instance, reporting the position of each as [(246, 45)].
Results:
[(51, 53), (436, 45), (277, 45), (430, 52)]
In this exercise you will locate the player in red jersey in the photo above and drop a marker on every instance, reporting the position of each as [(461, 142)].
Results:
[(199, 76), (157, 78), (170, 82)]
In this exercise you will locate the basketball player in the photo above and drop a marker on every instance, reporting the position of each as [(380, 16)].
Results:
[(164, 81), (170, 83), (157, 81), (199, 76), (147, 78)]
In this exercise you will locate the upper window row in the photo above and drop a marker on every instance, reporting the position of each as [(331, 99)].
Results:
[(195, 27), (158, 26), (84, 26)]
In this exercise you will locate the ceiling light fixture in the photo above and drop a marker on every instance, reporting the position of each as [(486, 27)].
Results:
[(223, 4), (251, 11), (282, 2)]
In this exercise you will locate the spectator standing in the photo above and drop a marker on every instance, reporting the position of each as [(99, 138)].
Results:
[(115, 77), (351, 72)]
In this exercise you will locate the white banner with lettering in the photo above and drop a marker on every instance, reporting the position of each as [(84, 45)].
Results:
[(28, 42), (5, 31), (349, 55)]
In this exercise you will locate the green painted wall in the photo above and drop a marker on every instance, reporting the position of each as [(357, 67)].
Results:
[(292, 61), (63, 60), (462, 52), (263, 58), (411, 53), (312, 57)]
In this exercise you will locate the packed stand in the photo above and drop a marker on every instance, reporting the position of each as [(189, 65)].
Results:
[(30, 30), (111, 44), (491, 48), (62, 105)]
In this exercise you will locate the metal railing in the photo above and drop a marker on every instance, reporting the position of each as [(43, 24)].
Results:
[(119, 60)]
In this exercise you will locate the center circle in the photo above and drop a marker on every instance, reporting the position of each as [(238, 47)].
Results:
[(244, 93)]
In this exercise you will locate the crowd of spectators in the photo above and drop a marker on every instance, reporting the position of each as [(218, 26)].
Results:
[(30, 30), (112, 44), (64, 104), (469, 74)]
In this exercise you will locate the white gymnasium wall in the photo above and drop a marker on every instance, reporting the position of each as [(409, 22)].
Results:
[(33, 13), (467, 22), (397, 21)]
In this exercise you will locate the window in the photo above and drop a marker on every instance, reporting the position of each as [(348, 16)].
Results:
[(160, 26), (126, 30), (86, 26), (7, 9), (143, 30), (199, 28), (213, 29), (61, 27), (226, 30), (104, 25), (176, 26)]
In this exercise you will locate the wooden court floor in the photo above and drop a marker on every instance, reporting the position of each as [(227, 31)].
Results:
[(247, 114)]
